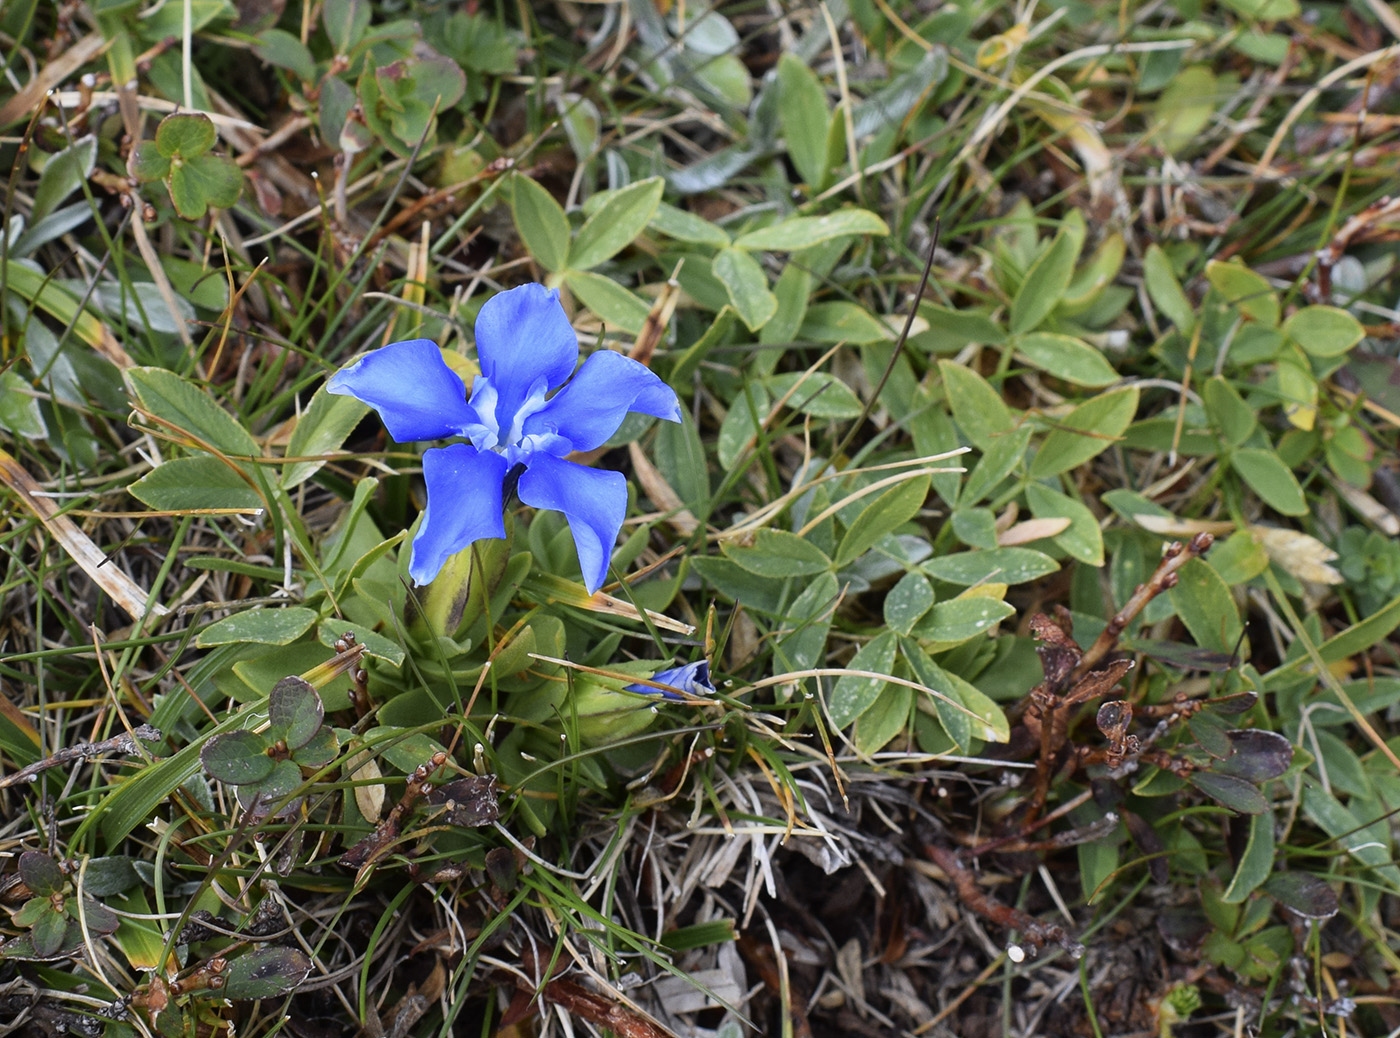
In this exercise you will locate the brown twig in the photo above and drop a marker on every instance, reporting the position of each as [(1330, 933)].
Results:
[(124, 744), (1164, 579), (1031, 929)]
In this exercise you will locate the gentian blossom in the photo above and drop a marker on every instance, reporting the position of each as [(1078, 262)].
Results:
[(693, 678), (525, 415)]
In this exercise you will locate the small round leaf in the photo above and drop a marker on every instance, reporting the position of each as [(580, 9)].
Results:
[(41, 873), (295, 712), (237, 758)]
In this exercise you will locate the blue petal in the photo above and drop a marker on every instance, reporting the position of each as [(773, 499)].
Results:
[(523, 336), (410, 385), (464, 505), (693, 678), (593, 500), (591, 407)]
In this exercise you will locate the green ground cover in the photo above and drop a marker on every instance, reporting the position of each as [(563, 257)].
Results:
[(989, 632)]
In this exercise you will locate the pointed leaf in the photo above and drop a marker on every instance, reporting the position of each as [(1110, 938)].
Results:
[(1307, 895), (747, 286), (191, 484), (1234, 793), (1271, 479), (616, 223), (854, 694), (259, 626), (541, 222), (799, 232), (175, 399), (265, 973)]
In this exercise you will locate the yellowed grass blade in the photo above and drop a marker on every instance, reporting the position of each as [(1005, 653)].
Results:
[(122, 589)]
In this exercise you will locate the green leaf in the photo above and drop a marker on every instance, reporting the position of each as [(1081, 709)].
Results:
[(853, 695), (803, 109), (345, 22), (238, 758), (259, 626), (1271, 479), (48, 933), (19, 407), (279, 47), (319, 749), (265, 972), (41, 873), (146, 163), (1245, 290), (582, 124), (776, 553), (1264, 10), (1165, 290), (187, 134), (975, 527), (63, 174), (541, 222), (109, 876), (886, 718), (30, 912), (158, 23), (977, 407), (793, 291), (1324, 331), (1083, 539), (891, 510), (751, 406), (1045, 283), (680, 457), (1236, 794), (1362, 635), (1185, 108), (997, 462), (195, 483), (1367, 841), (747, 285), (986, 720), (321, 429), (957, 620), (999, 565), (840, 321), (208, 180), (294, 711), (816, 393), (907, 602), (798, 232), (1307, 895), (618, 307), (1066, 357), (179, 402), (1228, 412), (1297, 390), (615, 223), (686, 226), (1205, 605), (375, 644), (1084, 433)]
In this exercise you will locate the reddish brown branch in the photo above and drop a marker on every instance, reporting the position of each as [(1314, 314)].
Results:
[(1032, 930), (1164, 579)]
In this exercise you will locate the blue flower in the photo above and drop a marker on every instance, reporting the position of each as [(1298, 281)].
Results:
[(693, 679), (525, 414)]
